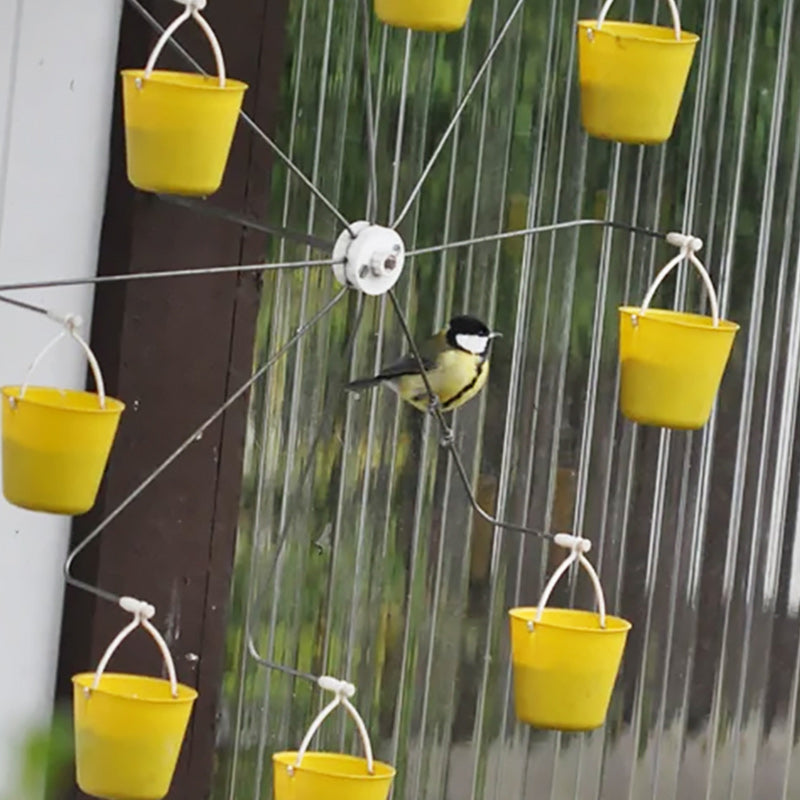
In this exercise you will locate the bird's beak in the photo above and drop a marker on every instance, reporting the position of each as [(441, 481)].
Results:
[(495, 334)]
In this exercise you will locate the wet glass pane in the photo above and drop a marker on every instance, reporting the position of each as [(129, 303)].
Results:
[(384, 575)]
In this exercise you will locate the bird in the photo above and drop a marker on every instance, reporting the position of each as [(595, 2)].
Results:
[(456, 361)]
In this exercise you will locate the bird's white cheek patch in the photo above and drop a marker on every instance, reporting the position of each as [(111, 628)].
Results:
[(472, 342)]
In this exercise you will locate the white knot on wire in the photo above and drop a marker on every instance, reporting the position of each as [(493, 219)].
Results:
[(685, 242), (72, 322), (577, 544), (342, 689), (194, 5), (139, 608)]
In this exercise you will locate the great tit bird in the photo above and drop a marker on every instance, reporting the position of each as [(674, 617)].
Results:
[(456, 362)]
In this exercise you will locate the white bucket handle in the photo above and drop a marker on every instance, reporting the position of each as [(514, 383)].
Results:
[(70, 323), (673, 7), (342, 691), (579, 546), (689, 245), (193, 9), (142, 614)]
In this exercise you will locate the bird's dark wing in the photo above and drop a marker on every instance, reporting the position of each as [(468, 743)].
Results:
[(407, 365)]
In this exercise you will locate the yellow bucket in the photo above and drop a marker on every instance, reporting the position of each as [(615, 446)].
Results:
[(300, 775), (329, 776), (632, 77), (179, 126), (178, 130), (128, 734), (56, 444), (565, 666), (672, 362), (423, 15)]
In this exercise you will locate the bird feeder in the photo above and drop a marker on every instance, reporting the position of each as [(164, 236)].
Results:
[(672, 362), (129, 729), (632, 77), (435, 16), (56, 442), (300, 775), (179, 126), (565, 661)]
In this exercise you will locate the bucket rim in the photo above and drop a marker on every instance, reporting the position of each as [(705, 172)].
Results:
[(186, 694), (624, 29), (113, 405), (681, 319), (528, 613), (186, 80), (288, 758)]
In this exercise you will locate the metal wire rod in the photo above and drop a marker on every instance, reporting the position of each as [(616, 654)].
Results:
[(193, 437), (26, 306), (556, 226), (248, 120), (372, 132), (169, 273), (448, 438), (218, 212), (458, 112), (283, 535)]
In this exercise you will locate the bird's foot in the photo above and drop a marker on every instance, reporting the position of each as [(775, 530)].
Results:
[(448, 438)]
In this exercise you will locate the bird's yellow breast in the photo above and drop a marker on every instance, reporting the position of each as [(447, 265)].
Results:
[(457, 379)]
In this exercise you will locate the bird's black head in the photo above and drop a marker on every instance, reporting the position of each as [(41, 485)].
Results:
[(469, 334)]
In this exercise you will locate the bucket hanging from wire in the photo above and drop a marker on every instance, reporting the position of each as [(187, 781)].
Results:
[(632, 77), (565, 661), (179, 126)]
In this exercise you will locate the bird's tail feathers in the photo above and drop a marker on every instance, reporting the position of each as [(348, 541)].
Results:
[(363, 383)]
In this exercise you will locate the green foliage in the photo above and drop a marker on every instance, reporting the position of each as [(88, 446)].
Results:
[(45, 766)]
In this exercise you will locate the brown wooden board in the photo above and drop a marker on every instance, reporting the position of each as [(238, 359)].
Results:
[(173, 350)]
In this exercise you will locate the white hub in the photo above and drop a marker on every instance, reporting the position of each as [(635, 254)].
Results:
[(373, 260)]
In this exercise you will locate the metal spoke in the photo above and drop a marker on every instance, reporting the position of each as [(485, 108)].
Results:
[(218, 212), (181, 448), (448, 439), (556, 226), (248, 120), (458, 112), (168, 273), (26, 306), (372, 130), (283, 535)]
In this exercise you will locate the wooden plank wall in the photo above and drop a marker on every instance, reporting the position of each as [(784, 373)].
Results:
[(173, 349)]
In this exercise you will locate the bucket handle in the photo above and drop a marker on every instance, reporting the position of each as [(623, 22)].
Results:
[(342, 691), (673, 7), (142, 614), (578, 547), (193, 9), (689, 245), (70, 322)]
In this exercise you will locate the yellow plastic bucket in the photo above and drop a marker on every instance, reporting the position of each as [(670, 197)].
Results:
[(128, 734), (329, 776), (423, 15), (300, 775), (672, 362), (178, 126), (632, 77), (129, 729), (56, 442), (565, 661), (565, 666)]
